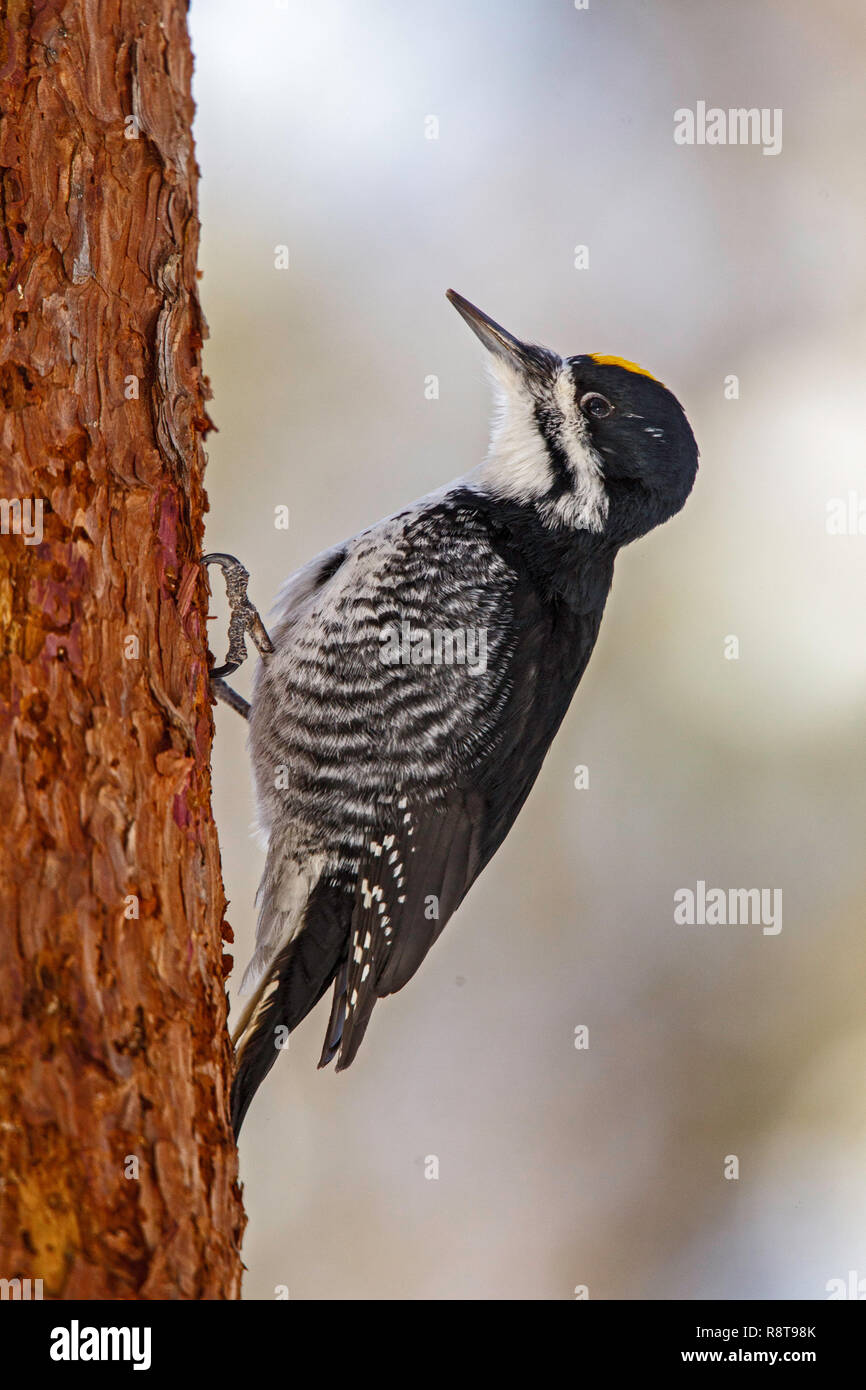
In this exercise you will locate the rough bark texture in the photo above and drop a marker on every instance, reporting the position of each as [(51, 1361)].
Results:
[(115, 1058)]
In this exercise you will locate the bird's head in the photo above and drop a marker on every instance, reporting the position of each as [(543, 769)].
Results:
[(593, 443)]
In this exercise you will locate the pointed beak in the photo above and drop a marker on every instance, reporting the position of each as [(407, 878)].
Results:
[(495, 338)]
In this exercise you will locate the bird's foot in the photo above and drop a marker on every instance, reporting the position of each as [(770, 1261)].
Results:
[(244, 618)]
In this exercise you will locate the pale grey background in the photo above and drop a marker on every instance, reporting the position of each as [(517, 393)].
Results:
[(561, 1167)]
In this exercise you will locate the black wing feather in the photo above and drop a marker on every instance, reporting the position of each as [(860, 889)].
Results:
[(441, 849)]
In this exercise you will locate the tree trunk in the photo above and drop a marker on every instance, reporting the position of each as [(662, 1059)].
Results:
[(119, 1171)]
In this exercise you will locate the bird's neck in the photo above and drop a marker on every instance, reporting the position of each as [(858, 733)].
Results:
[(566, 564)]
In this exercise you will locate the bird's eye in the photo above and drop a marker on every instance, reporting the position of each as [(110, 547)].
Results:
[(596, 406)]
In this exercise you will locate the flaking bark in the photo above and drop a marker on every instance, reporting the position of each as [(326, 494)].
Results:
[(118, 1172)]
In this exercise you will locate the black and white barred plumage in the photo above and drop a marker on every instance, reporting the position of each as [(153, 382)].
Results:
[(384, 788)]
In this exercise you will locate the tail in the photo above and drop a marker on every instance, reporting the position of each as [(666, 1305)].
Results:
[(294, 984)]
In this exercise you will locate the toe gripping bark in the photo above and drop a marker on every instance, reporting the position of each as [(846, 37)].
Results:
[(244, 619)]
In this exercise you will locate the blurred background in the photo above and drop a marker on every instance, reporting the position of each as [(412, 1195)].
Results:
[(561, 1167)]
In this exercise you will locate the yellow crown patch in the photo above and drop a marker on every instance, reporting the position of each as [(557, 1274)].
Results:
[(621, 362)]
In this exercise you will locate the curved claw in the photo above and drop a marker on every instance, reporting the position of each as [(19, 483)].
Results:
[(227, 668)]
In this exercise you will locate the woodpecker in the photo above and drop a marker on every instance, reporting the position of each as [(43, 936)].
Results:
[(387, 778)]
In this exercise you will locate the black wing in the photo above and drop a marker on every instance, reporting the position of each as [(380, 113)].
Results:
[(422, 860)]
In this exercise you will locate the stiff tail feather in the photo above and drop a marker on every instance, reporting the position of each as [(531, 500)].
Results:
[(294, 984)]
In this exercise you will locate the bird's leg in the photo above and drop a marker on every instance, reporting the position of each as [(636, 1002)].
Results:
[(229, 696), (244, 619)]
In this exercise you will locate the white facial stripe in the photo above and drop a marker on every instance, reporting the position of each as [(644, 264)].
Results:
[(584, 508), (518, 466)]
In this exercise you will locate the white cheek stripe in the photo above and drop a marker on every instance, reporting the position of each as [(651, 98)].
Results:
[(585, 508), (518, 465)]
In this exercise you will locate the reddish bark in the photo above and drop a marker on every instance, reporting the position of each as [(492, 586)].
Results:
[(113, 1045)]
